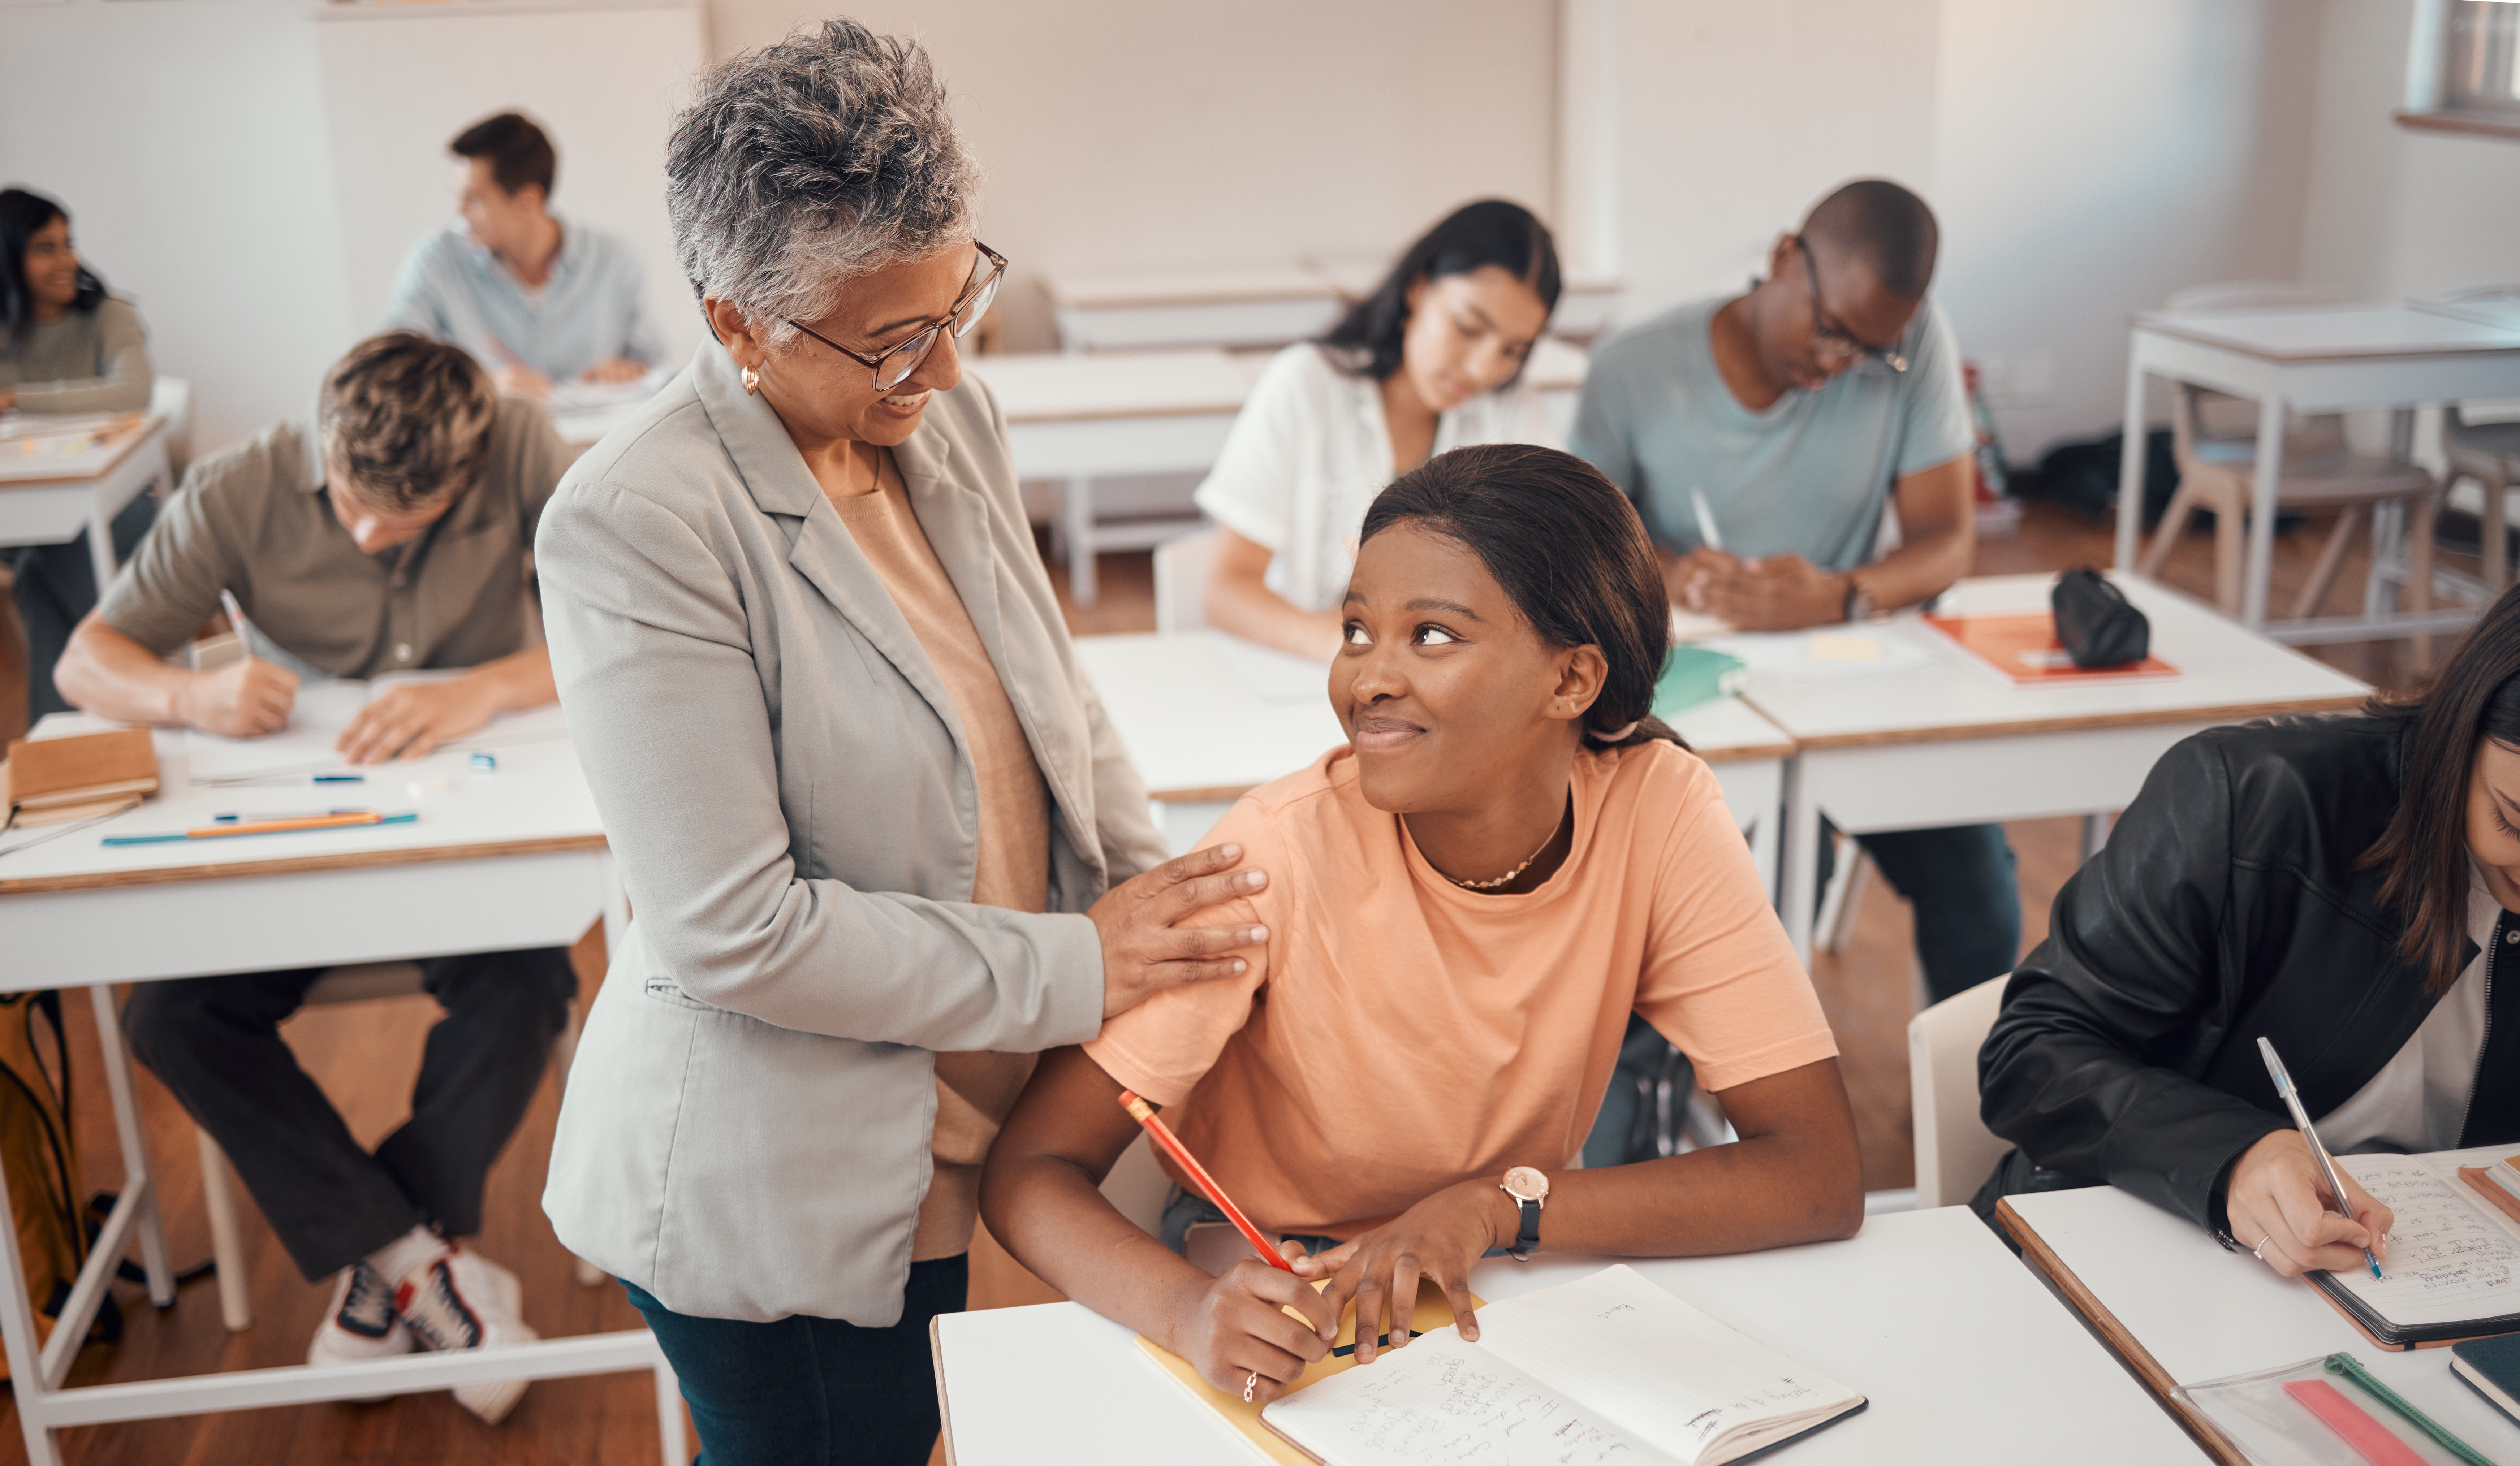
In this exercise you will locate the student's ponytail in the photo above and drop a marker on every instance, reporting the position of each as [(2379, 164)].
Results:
[(1570, 554)]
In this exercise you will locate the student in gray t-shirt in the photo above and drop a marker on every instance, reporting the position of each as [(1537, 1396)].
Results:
[(1804, 411)]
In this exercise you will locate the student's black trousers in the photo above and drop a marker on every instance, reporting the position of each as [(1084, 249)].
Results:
[(216, 1040)]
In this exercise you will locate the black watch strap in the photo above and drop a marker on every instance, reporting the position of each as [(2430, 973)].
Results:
[(1528, 1236)]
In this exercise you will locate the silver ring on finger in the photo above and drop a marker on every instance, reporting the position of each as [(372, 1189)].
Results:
[(2261, 1248), (1249, 1384)]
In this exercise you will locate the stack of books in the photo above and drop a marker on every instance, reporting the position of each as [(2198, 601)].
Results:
[(55, 780)]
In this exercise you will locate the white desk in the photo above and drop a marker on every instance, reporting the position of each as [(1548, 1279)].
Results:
[(1948, 742), (2181, 1311), (51, 501), (1587, 304), (1201, 737), (1260, 305), (2313, 360), (1960, 1352), (496, 861)]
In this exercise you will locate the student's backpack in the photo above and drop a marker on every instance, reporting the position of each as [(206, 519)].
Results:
[(2082, 478), (40, 1158)]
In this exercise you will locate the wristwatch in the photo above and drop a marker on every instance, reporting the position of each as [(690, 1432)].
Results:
[(1859, 602), (1529, 1190)]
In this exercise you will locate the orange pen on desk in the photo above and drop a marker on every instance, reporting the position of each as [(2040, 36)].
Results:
[(1154, 1126)]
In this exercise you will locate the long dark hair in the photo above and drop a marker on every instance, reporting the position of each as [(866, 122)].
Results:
[(1491, 232), (22, 213), (1571, 554), (2424, 849)]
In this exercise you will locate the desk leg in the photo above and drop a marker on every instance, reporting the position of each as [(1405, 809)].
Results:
[(1802, 858), (1079, 517), (2131, 462), (100, 541), (669, 1414), (2096, 833), (17, 1333), (2262, 519), (135, 1150)]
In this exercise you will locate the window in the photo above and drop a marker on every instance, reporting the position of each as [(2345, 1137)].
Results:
[(2463, 67)]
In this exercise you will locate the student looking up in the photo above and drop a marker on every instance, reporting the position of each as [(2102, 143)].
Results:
[(1463, 905), (2341, 886), (535, 298), (386, 536), (1804, 411), (1428, 362), (65, 346)]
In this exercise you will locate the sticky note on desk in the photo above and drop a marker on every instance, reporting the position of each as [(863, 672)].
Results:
[(1842, 646)]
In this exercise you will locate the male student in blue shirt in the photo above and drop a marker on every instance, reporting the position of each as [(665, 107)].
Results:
[(535, 298), (1805, 410)]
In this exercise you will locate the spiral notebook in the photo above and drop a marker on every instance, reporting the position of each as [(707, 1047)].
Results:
[(1606, 1369)]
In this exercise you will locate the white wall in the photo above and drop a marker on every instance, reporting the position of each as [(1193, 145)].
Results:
[(2395, 213), (1122, 134), (203, 189)]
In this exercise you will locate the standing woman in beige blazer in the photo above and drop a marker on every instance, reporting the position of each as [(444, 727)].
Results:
[(880, 841)]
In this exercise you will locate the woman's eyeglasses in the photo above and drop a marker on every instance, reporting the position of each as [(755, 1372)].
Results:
[(893, 365), (1837, 346)]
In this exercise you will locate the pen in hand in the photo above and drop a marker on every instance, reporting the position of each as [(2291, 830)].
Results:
[(2310, 1134), (1707, 534)]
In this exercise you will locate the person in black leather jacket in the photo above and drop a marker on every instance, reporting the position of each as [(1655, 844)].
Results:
[(2335, 884)]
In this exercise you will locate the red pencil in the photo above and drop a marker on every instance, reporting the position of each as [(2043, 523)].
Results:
[(1146, 1117)]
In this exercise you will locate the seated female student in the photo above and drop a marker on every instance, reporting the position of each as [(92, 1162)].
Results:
[(1426, 363), (65, 346), (1462, 909), (2341, 886)]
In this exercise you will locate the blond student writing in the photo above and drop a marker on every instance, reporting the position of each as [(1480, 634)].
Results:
[(1465, 907)]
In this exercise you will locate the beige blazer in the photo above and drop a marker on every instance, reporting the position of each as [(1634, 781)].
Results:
[(792, 801)]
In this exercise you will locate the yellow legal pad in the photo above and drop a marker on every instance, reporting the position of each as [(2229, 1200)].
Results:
[(1434, 1311)]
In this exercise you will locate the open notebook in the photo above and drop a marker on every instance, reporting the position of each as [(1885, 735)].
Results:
[(315, 722), (1609, 1368), (2454, 1265)]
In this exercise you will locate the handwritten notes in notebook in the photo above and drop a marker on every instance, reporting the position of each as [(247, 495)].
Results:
[(1609, 1368), (2448, 1260)]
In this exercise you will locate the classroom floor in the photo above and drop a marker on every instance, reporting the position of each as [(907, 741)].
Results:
[(365, 1055)]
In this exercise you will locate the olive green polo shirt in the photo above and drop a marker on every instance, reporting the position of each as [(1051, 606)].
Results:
[(255, 520)]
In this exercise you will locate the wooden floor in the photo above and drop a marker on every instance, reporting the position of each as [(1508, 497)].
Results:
[(366, 1056)]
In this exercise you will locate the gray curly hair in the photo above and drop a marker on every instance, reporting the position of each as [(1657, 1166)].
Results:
[(807, 164)]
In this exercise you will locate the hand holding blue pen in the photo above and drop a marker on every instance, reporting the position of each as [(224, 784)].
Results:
[(2317, 1150)]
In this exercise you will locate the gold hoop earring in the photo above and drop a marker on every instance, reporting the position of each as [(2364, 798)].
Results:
[(752, 380)]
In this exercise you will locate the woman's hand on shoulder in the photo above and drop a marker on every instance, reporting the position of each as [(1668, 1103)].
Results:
[(2278, 1195), (1237, 1327), (1145, 948), (1438, 1238)]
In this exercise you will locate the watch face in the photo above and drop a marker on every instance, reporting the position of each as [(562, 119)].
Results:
[(1526, 1184)]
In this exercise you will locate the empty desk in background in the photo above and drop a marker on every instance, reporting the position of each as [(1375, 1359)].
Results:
[(1961, 1353), (2314, 360), (1259, 305), (2181, 1311), (1939, 739), (1201, 735), (514, 859), (1587, 304), (48, 499)]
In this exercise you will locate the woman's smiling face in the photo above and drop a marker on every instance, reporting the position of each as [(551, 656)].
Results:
[(1446, 693)]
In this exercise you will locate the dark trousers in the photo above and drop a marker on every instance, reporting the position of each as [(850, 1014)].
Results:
[(54, 585), (1958, 882), (216, 1040), (813, 1392)]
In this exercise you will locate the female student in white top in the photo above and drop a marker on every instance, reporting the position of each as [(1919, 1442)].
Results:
[(1425, 364)]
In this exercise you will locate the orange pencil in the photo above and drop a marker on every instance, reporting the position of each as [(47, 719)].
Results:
[(1155, 1126)]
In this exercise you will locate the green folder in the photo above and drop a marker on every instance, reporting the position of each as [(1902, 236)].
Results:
[(1695, 675)]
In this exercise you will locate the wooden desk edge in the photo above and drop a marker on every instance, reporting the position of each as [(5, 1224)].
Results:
[(2242, 712), (98, 880), (1217, 408), (2038, 1253), (944, 1407), (129, 444)]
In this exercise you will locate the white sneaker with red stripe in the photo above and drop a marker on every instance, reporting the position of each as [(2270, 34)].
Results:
[(362, 1325), (462, 1299)]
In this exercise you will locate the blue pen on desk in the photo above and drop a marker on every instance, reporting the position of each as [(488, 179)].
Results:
[(2310, 1132), (338, 778)]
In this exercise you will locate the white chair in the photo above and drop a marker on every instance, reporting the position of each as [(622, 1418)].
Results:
[(1955, 1150), (352, 984), (2487, 452), (1181, 581), (171, 398), (2213, 437)]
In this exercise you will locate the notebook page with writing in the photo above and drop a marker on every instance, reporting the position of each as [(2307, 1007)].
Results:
[(1661, 1368), (320, 712), (1441, 1402), (2450, 1260)]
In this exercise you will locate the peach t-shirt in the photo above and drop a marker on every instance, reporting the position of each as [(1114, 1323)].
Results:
[(1402, 1033)]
